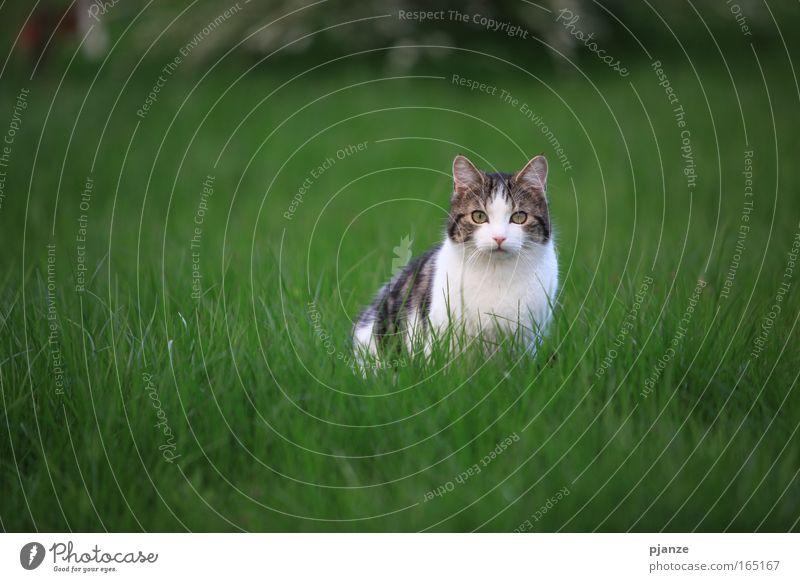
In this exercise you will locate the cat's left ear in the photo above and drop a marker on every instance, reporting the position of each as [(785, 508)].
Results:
[(533, 175)]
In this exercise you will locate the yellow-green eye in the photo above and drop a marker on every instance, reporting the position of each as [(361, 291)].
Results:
[(479, 217), (519, 217)]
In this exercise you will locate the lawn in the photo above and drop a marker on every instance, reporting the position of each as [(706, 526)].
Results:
[(178, 287)]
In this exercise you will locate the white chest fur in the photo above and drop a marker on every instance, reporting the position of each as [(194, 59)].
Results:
[(480, 293)]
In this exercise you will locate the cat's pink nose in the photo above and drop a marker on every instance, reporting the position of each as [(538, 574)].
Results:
[(499, 240)]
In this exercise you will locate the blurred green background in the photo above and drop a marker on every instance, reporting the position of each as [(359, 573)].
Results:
[(114, 141)]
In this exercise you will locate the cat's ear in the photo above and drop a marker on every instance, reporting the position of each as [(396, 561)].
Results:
[(467, 179), (533, 175)]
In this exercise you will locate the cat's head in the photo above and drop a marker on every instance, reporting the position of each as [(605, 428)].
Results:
[(499, 214)]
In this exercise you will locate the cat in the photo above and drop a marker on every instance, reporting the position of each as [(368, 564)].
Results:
[(494, 276)]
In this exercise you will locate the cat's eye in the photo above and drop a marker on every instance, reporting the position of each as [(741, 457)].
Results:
[(519, 217), (479, 217)]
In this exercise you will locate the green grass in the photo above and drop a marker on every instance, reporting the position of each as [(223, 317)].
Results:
[(272, 429)]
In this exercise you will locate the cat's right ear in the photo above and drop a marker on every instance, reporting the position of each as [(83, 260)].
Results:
[(534, 175), (467, 179)]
